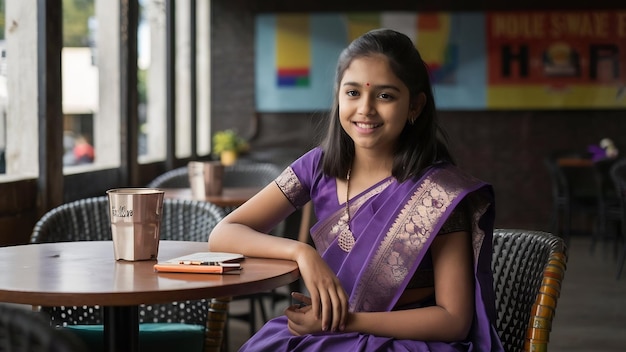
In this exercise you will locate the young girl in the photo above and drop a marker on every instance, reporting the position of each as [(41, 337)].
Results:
[(402, 257)]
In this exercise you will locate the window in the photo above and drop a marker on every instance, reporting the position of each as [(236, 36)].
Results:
[(91, 92)]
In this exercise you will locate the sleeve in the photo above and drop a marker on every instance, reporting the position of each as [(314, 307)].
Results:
[(297, 180)]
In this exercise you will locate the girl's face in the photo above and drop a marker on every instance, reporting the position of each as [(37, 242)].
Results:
[(373, 104)]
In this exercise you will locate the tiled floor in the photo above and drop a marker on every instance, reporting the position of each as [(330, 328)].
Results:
[(590, 315), (591, 312)]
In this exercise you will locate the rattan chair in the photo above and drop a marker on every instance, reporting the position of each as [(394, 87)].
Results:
[(88, 220), (618, 174), (176, 178), (528, 269), (241, 174), (245, 174), (22, 330), (254, 174)]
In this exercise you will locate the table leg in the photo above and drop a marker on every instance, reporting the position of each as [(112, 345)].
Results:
[(121, 329)]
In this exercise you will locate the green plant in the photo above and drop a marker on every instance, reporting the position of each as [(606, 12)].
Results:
[(228, 140)]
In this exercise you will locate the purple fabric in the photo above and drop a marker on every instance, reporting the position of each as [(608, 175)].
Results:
[(393, 224)]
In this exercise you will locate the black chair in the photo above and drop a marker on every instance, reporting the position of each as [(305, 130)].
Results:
[(573, 192), (618, 174), (244, 174), (23, 330), (528, 269), (249, 174), (608, 202), (88, 220), (176, 178), (241, 174)]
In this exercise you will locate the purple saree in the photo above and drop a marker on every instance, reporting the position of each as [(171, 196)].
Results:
[(393, 225)]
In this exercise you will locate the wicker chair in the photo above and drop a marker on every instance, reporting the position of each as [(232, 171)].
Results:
[(176, 178), (528, 269), (618, 175), (241, 174), (237, 175), (88, 220), (23, 330)]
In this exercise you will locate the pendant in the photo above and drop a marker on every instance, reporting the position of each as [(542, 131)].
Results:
[(346, 240)]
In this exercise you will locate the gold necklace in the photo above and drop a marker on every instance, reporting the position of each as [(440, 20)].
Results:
[(346, 238)]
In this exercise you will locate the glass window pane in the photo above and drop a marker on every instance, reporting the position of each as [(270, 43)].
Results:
[(151, 80), (80, 81)]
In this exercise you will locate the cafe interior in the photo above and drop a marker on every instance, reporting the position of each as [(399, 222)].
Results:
[(100, 95)]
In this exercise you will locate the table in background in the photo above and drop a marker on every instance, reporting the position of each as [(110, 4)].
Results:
[(230, 197), (575, 162), (86, 273)]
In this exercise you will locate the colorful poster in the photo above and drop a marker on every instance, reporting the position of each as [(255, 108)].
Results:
[(296, 55), (477, 61), (559, 60), (293, 51)]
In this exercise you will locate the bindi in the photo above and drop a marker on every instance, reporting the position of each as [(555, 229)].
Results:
[(367, 84)]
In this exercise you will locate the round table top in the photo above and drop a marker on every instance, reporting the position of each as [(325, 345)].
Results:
[(86, 273), (230, 197)]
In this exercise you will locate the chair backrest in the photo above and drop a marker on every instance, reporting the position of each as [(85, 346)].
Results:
[(23, 330), (243, 174), (176, 178), (605, 187), (618, 175), (250, 174), (88, 220), (569, 181), (558, 181), (528, 269), (81, 220)]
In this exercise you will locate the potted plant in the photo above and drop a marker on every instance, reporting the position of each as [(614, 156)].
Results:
[(228, 144)]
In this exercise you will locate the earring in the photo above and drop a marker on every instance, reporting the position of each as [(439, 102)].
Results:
[(412, 119)]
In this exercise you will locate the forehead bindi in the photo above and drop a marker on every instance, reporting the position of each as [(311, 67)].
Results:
[(370, 72)]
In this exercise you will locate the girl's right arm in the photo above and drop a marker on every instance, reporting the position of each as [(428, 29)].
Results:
[(245, 231)]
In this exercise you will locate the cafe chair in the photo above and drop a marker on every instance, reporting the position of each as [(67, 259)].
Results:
[(609, 208), (254, 174), (240, 174), (190, 324), (176, 178), (22, 330), (618, 175), (528, 269), (243, 174), (573, 193)]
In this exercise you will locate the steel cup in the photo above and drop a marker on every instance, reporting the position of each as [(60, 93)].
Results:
[(135, 215), (205, 178)]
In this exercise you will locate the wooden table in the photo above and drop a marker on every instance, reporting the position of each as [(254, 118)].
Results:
[(86, 273), (230, 197), (574, 162)]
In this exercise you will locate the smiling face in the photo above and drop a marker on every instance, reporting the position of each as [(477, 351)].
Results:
[(374, 104)]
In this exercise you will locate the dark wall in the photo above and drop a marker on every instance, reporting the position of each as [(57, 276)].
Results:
[(505, 148)]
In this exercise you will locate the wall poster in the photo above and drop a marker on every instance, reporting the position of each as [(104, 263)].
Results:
[(478, 61)]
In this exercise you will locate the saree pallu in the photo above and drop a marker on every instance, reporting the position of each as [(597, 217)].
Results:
[(393, 225)]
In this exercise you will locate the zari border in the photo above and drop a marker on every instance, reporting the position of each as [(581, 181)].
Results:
[(402, 245), (290, 185)]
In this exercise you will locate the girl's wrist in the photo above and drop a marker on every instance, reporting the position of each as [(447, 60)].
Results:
[(301, 251)]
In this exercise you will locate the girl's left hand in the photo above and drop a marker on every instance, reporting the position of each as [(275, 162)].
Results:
[(301, 319)]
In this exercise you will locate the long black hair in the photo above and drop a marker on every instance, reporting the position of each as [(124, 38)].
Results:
[(420, 144)]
